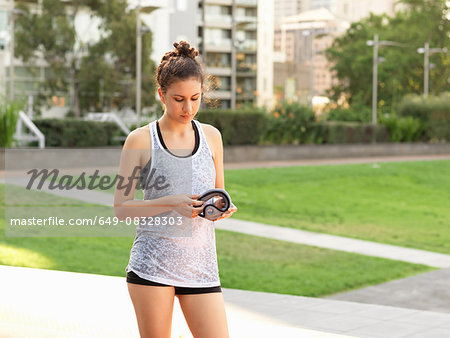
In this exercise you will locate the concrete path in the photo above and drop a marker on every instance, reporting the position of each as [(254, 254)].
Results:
[(46, 303), (337, 242), (428, 291)]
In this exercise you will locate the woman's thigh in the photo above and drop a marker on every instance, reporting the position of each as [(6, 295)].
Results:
[(154, 308), (205, 314)]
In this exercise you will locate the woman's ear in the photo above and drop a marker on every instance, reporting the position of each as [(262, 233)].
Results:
[(161, 95)]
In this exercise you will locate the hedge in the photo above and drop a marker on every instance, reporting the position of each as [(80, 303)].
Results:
[(236, 127), (335, 132), (433, 112), (77, 133)]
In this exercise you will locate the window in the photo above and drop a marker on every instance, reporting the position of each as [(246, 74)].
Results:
[(223, 83), (221, 60)]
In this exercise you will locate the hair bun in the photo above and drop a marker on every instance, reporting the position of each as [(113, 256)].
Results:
[(183, 48)]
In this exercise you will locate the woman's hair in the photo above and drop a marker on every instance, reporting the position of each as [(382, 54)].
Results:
[(179, 64)]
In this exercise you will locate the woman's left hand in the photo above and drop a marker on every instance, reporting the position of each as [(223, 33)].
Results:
[(232, 209)]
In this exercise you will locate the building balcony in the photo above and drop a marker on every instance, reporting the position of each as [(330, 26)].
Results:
[(246, 70), (248, 46), (219, 95), (218, 71), (218, 21), (246, 19), (246, 3), (218, 45), (219, 2)]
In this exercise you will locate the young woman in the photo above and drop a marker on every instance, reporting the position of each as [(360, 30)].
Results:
[(164, 266)]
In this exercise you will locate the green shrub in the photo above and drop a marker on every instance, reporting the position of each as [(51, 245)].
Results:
[(337, 132), (236, 127), (9, 114), (77, 133), (289, 123), (433, 112), (403, 129), (355, 113), (439, 126)]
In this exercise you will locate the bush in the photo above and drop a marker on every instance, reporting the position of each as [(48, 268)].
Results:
[(77, 133), (236, 127), (9, 114), (355, 113), (434, 114), (403, 129), (289, 123), (337, 132)]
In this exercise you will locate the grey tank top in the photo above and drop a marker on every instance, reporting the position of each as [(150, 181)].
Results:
[(186, 261)]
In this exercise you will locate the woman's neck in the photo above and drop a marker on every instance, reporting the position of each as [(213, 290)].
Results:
[(173, 126)]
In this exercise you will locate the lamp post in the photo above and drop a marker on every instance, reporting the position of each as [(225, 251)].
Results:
[(376, 43), (139, 32), (312, 33), (427, 51), (233, 55), (12, 13)]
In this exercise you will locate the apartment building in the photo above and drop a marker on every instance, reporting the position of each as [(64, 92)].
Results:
[(235, 39)]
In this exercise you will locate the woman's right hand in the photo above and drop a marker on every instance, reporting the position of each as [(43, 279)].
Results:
[(185, 204)]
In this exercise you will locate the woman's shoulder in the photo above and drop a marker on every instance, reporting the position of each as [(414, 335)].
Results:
[(139, 138), (211, 131)]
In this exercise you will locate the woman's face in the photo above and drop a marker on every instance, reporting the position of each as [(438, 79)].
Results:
[(182, 99)]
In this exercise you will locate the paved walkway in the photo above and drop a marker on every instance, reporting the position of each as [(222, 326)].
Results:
[(46, 303), (336, 242), (427, 291)]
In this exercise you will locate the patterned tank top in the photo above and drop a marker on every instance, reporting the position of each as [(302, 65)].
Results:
[(186, 259)]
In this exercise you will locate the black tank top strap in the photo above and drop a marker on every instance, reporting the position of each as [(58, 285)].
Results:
[(197, 139)]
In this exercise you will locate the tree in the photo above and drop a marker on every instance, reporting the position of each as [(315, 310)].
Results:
[(101, 73), (402, 72)]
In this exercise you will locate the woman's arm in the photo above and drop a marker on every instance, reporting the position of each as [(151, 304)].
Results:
[(134, 150), (217, 152)]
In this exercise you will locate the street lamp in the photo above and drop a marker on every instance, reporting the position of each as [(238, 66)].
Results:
[(376, 43), (139, 32), (313, 33), (12, 13), (427, 51)]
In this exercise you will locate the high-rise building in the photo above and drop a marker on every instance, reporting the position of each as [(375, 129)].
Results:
[(301, 70), (283, 8), (328, 4), (353, 10), (235, 39)]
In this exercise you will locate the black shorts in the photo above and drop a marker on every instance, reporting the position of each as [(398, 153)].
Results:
[(135, 279)]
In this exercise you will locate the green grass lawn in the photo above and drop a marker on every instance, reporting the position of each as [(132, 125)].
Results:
[(401, 203), (245, 262)]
